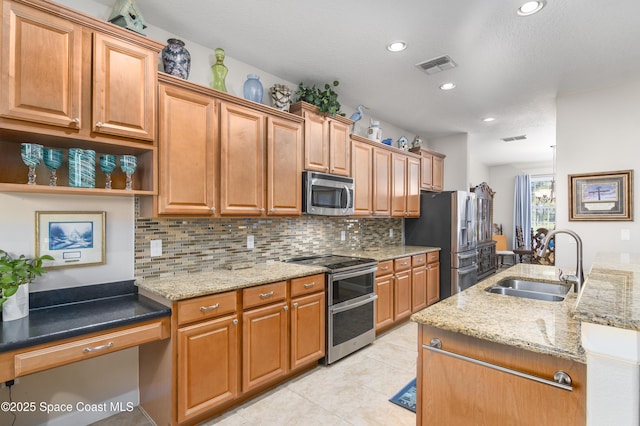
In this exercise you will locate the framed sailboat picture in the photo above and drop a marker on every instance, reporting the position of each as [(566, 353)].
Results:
[(601, 196)]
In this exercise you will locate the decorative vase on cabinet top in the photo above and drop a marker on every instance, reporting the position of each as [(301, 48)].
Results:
[(176, 59), (252, 89)]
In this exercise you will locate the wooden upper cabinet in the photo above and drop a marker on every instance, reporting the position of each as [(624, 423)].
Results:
[(339, 148), (431, 169), (381, 182), (362, 173), (41, 67), (242, 188), (124, 85), (187, 146), (438, 173), (326, 140), (284, 167), (398, 184), (413, 187)]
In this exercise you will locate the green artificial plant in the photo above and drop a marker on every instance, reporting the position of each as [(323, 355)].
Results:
[(326, 100), (15, 272)]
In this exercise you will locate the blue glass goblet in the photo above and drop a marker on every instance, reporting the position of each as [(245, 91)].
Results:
[(31, 156), (128, 166), (107, 165), (53, 161)]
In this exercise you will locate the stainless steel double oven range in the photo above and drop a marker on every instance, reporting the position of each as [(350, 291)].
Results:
[(350, 302)]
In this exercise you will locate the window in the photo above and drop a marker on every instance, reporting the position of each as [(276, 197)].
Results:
[(543, 202)]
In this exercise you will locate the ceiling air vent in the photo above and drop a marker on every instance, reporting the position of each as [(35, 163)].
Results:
[(435, 65), (515, 138)]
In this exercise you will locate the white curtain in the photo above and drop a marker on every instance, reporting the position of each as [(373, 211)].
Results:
[(522, 209)]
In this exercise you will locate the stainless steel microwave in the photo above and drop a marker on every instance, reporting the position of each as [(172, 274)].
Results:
[(327, 195)]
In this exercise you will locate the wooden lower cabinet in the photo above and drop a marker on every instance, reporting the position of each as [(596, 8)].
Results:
[(402, 295), (265, 345), (209, 367), (452, 391), (433, 283), (307, 329), (418, 288), (384, 302)]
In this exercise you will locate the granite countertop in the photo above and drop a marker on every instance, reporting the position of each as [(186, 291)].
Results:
[(78, 311), (389, 252), (186, 286), (535, 325), (611, 294)]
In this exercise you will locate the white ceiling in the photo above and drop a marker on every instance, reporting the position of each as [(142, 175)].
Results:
[(510, 67)]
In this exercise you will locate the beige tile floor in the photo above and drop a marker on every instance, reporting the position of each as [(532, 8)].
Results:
[(353, 391)]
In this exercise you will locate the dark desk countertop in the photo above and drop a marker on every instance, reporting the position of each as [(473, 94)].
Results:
[(60, 314)]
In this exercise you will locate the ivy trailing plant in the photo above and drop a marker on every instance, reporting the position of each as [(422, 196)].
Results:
[(15, 272), (326, 100)]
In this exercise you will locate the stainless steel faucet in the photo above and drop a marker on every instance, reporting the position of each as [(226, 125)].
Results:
[(578, 279)]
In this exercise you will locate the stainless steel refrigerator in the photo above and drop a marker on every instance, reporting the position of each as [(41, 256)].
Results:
[(448, 220)]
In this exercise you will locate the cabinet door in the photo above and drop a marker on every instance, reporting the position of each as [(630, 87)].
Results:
[(265, 343), (124, 88), (433, 283), (362, 162), (316, 142), (413, 187), (402, 295), (41, 67), (284, 167), (426, 171), (208, 365), (339, 148), (307, 329), (418, 288), (187, 145), (384, 302), (438, 173), (241, 161), (381, 182), (398, 185)]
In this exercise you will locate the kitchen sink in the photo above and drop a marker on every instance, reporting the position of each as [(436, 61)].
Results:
[(539, 290)]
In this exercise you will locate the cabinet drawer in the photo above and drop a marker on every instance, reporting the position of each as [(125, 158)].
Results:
[(384, 268), (402, 264), (305, 285), (419, 260), (206, 307), (77, 350), (433, 256), (263, 294)]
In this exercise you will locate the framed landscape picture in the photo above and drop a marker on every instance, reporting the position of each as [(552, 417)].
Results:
[(71, 238), (601, 196)]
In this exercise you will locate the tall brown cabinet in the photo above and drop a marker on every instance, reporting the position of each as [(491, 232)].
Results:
[(486, 245)]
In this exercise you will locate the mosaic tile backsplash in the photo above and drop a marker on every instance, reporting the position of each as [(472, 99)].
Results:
[(194, 245)]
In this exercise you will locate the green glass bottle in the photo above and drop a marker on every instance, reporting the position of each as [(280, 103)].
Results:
[(219, 71)]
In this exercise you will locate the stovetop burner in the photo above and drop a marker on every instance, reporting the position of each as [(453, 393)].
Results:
[(335, 262)]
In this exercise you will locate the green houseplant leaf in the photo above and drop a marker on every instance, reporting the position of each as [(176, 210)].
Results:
[(326, 100), (17, 271)]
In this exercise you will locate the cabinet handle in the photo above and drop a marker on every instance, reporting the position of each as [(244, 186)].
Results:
[(213, 209), (326, 169), (76, 121), (99, 124), (560, 378), (209, 308), (262, 210), (333, 170), (286, 308), (272, 210), (384, 268), (235, 322), (295, 305), (98, 348), (309, 285), (266, 295)]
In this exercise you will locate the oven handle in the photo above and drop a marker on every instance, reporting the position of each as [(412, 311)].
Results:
[(371, 298), (350, 274)]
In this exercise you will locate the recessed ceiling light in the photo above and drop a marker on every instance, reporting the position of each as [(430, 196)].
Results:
[(488, 119), (396, 46), (447, 86), (531, 7)]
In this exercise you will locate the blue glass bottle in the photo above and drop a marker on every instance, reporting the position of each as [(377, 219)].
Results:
[(252, 89)]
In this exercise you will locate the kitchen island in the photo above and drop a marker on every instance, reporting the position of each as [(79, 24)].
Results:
[(532, 337)]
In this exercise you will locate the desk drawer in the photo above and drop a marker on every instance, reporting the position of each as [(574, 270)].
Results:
[(306, 285), (206, 307), (76, 350), (264, 294)]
